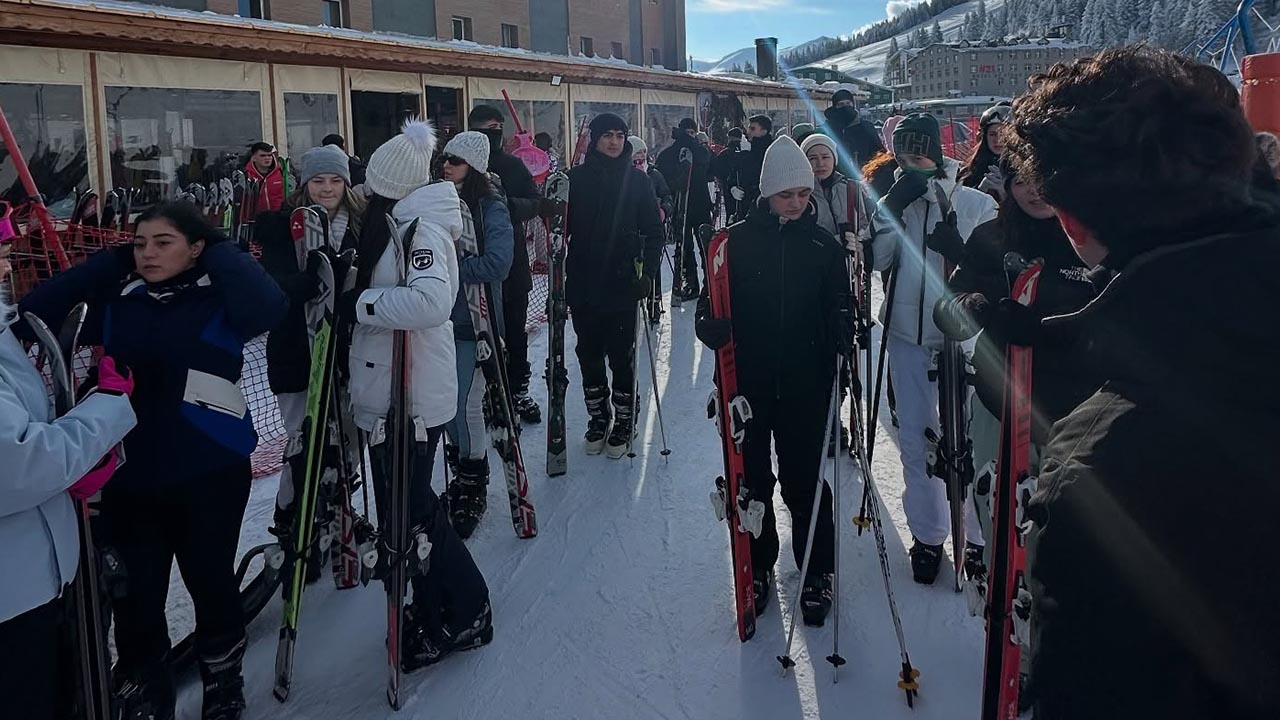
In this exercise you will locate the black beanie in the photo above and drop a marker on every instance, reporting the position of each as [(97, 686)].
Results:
[(918, 134), (603, 123), (841, 94), (688, 124)]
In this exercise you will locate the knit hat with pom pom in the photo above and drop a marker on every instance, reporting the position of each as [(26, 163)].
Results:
[(402, 164)]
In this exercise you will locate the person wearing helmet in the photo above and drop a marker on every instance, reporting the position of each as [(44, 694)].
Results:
[(982, 172)]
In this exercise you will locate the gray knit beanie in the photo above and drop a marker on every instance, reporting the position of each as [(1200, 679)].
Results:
[(402, 164), (471, 146), (325, 159), (785, 168)]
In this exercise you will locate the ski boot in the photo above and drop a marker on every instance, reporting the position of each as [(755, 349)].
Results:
[(423, 647), (469, 495), (761, 589), (526, 408), (223, 685), (684, 293), (975, 566), (925, 562), (145, 694), (624, 428), (815, 599), (597, 397)]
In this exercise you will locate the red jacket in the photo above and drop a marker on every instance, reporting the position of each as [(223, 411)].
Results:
[(270, 197)]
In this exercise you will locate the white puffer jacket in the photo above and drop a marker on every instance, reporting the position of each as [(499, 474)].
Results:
[(421, 304), (921, 272)]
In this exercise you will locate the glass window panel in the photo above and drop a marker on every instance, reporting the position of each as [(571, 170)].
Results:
[(537, 116), (658, 122), (588, 110), (308, 117), (48, 123), (163, 139)]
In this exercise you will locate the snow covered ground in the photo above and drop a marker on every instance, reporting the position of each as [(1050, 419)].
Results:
[(622, 606)]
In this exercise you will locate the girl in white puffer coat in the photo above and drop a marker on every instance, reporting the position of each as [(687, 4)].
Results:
[(408, 280), (922, 225)]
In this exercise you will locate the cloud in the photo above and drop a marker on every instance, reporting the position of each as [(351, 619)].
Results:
[(736, 6), (894, 8)]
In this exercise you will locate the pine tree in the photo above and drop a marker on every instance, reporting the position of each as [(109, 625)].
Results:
[(748, 68), (936, 35), (980, 18)]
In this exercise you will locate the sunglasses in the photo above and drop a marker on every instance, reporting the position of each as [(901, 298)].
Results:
[(454, 160)]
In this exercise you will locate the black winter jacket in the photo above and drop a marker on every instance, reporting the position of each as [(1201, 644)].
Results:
[(787, 283), (613, 222), (522, 203), (662, 190), (1154, 595), (858, 140), (697, 177), (183, 340), (1060, 380), (288, 346), (750, 164)]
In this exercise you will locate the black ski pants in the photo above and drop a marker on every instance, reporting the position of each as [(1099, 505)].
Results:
[(515, 313), (32, 654), (691, 247), (795, 427), (198, 523), (452, 590), (612, 335)]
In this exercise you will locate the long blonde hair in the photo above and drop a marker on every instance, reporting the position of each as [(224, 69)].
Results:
[(351, 202)]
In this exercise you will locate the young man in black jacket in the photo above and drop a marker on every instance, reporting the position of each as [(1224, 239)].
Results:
[(858, 139), (523, 202), (750, 161), (789, 291), (689, 185), (1152, 593), (615, 245)]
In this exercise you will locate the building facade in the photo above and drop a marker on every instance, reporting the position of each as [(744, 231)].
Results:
[(947, 70), (642, 32), (877, 94)]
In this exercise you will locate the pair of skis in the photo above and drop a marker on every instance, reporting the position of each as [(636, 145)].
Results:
[(556, 189), (93, 659), (1007, 594)]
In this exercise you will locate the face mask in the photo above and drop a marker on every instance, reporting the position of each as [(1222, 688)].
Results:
[(495, 137), (841, 115), (926, 174)]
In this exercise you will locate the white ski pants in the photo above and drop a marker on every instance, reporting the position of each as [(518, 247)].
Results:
[(467, 429), (925, 497)]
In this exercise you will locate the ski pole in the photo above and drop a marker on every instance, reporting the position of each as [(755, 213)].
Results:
[(635, 385), (653, 374), (873, 402), (834, 658), (833, 408)]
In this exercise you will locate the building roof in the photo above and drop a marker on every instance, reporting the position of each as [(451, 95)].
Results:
[(112, 25), (1012, 44)]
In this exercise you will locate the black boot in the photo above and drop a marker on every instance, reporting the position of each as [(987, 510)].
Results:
[(815, 599), (597, 397), (469, 495), (624, 429), (146, 694), (761, 589), (423, 646), (925, 561), (223, 685), (975, 564), (526, 408)]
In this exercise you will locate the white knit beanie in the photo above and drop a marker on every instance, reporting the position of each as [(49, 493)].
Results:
[(818, 139), (402, 164), (637, 144), (785, 168), (471, 146)]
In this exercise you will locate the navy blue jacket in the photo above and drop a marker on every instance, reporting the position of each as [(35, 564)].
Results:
[(185, 347)]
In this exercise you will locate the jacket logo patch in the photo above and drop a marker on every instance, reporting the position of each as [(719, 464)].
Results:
[(422, 259)]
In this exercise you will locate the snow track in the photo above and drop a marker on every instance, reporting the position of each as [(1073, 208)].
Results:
[(622, 607)]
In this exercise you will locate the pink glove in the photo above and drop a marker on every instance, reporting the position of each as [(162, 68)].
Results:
[(662, 214), (113, 380), (89, 485)]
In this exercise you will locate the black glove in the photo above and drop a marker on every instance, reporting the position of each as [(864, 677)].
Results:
[(345, 307), (1014, 322), (846, 329), (641, 287), (946, 241), (906, 190), (715, 333)]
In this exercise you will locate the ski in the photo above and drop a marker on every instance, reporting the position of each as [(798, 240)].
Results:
[(1008, 597), (499, 415), (310, 230), (401, 435), (678, 289), (93, 661), (730, 498), (556, 188), (955, 451)]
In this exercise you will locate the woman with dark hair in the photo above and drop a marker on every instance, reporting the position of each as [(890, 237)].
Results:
[(487, 221), (326, 178), (176, 307), (408, 281), (979, 304), (985, 159)]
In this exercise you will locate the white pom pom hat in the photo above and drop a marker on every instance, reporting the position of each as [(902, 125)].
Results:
[(403, 164)]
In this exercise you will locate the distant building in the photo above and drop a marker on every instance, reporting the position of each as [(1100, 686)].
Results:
[(994, 68), (878, 94), (896, 75), (642, 32)]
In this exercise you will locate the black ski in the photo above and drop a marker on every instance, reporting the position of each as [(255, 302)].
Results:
[(557, 188)]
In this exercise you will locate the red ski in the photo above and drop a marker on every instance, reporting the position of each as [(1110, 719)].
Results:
[(1008, 606), (730, 497)]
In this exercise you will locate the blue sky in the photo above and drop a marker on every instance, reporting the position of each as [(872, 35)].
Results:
[(718, 27)]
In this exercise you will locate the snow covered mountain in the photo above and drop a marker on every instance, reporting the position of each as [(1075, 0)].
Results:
[(748, 55)]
